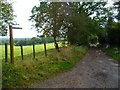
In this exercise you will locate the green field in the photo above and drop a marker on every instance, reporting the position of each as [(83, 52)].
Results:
[(26, 49), (25, 72)]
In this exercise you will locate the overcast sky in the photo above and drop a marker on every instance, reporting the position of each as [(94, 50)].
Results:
[(22, 9)]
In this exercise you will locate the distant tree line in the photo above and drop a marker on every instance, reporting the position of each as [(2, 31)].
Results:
[(29, 41)]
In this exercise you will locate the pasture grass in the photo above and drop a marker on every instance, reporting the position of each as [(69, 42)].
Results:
[(114, 52), (24, 73), (26, 49)]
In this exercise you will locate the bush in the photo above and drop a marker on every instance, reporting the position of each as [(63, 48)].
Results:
[(114, 37), (8, 72), (114, 52)]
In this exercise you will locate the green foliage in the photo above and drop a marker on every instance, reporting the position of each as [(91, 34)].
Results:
[(49, 18), (26, 42), (114, 37), (76, 21), (82, 28), (117, 6), (114, 52), (8, 72), (23, 73), (96, 10), (88, 19), (6, 16)]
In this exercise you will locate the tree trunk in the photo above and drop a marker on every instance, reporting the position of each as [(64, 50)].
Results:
[(55, 28), (56, 44)]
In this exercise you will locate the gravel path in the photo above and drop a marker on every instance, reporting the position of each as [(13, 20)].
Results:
[(96, 70)]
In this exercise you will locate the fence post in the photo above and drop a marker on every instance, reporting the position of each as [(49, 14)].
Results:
[(21, 46), (11, 45), (33, 51), (6, 53)]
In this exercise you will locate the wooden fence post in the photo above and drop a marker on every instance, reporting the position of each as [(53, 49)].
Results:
[(6, 53), (21, 46), (33, 51), (11, 45)]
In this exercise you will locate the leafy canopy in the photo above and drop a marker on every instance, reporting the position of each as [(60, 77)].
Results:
[(6, 16)]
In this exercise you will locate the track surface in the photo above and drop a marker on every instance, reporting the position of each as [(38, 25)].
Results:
[(96, 70)]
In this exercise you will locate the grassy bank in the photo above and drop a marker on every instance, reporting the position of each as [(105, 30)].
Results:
[(114, 52), (25, 72)]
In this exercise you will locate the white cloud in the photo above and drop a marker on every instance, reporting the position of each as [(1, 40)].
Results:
[(22, 8)]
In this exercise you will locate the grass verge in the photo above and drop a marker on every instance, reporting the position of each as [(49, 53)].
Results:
[(114, 52), (23, 73)]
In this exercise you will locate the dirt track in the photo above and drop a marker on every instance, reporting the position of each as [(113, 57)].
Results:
[(96, 70)]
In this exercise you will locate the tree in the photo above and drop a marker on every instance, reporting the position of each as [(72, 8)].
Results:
[(113, 28), (49, 18), (6, 16), (84, 25), (96, 10), (117, 6), (114, 37), (74, 21)]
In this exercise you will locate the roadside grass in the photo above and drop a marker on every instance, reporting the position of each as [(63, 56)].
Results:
[(24, 73), (114, 52)]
